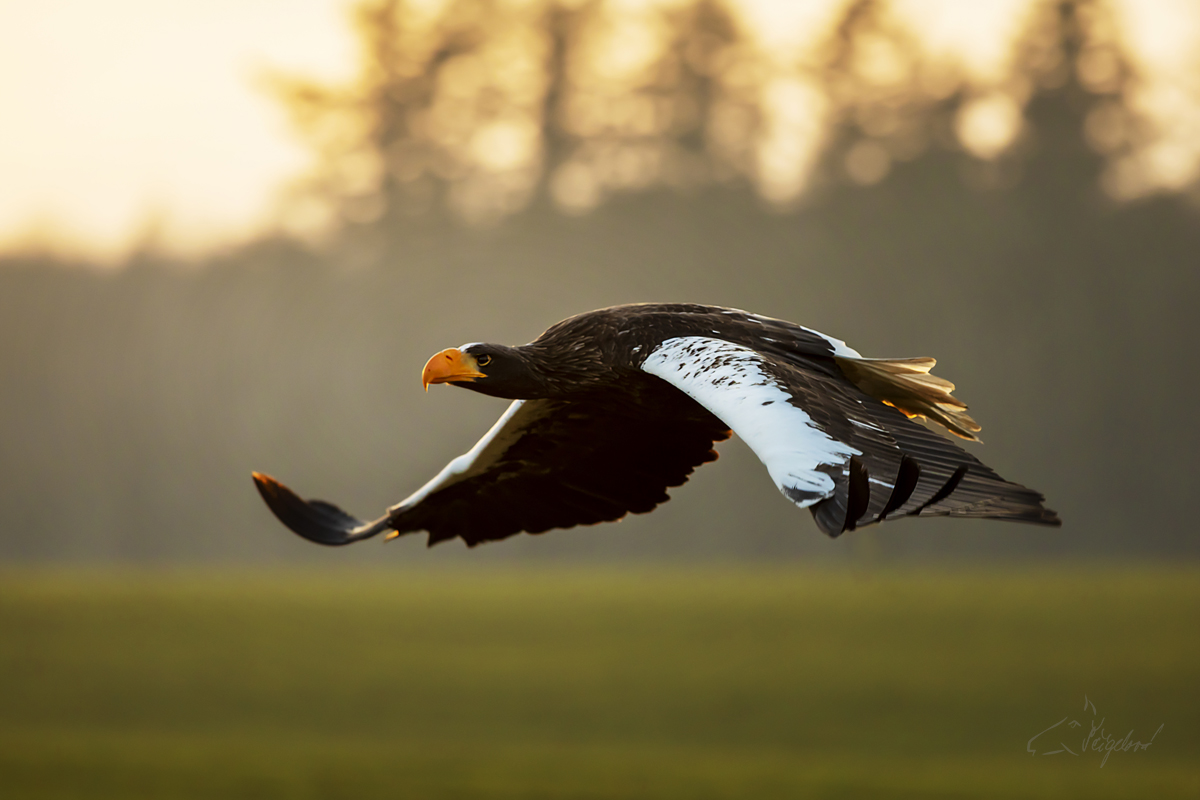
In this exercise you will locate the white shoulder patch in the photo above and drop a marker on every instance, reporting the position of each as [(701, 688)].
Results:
[(507, 430), (729, 381)]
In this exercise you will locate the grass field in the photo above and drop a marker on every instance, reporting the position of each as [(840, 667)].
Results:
[(756, 683)]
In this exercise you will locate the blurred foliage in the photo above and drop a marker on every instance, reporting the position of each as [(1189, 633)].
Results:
[(763, 683), (482, 106), (137, 401)]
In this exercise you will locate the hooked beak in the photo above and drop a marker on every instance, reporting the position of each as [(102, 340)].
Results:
[(450, 365)]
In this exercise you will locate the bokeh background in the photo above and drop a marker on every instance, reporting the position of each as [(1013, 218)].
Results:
[(231, 234)]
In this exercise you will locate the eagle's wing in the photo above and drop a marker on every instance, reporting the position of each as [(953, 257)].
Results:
[(544, 464), (829, 446)]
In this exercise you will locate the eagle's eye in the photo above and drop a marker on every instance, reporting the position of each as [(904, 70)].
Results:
[(483, 360)]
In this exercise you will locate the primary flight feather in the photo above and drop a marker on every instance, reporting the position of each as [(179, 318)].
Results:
[(613, 407)]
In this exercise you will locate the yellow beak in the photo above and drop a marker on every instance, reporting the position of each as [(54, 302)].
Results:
[(450, 365)]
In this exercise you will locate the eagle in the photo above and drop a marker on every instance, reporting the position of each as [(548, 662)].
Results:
[(613, 407)]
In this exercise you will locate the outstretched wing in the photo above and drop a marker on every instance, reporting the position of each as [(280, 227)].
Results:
[(545, 464), (830, 447)]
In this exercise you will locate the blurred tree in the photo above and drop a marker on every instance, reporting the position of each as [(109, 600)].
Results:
[(947, 214), (481, 106)]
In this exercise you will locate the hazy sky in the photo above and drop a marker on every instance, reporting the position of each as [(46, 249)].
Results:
[(127, 114), (117, 111)]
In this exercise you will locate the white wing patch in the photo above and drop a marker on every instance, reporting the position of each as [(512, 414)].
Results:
[(840, 348), (507, 430), (729, 381)]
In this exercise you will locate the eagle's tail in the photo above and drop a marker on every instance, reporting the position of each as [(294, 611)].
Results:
[(906, 384)]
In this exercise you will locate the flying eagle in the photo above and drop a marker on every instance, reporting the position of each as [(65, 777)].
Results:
[(613, 407)]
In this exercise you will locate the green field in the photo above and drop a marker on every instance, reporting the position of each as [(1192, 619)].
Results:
[(755, 683)]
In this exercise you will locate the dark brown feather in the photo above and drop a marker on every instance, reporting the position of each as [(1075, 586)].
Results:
[(589, 460)]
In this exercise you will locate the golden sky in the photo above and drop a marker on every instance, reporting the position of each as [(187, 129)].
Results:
[(123, 116), (126, 113)]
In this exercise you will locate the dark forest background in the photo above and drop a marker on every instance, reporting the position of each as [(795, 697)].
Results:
[(135, 402)]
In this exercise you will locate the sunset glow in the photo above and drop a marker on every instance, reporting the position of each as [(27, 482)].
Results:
[(136, 122), (129, 115)]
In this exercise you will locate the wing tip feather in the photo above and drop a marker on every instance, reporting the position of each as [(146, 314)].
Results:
[(314, 520)]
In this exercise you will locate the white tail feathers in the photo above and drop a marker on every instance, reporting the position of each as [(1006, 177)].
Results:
[(907, 385)]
